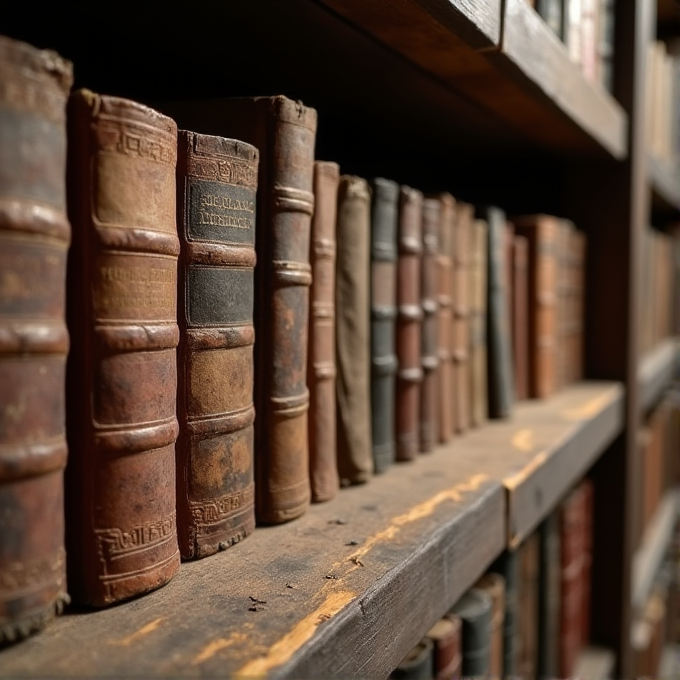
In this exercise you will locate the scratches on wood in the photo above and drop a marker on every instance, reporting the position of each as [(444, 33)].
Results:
[(590, 408), (217, 645), (284, 649), (513, 481), (523, 440), (144, 630)]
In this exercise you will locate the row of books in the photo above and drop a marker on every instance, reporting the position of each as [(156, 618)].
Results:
[(661, 97), (660, 295), (179, 428), (586, 27), (528, 616)]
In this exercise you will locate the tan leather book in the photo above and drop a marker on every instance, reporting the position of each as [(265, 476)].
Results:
[(579, 245), (520, 320), (493, 585), (429, 291), (284, 132), (445, 387), (461, 316), (409, 315), (541, 233), (321, 371), (216, 192), (562, 303), (478, 297), (122, 368), (34, 237), (352, 303), (446, 640)]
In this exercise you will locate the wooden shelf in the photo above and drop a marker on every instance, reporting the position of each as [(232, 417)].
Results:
[(525, 78), (650, 554), (655, 371), (665, 186), (424, 532)]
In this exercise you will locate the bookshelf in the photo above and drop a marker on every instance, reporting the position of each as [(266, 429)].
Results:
[(474, 96)]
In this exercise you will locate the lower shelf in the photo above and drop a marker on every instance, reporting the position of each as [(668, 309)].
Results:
[(351, 586)]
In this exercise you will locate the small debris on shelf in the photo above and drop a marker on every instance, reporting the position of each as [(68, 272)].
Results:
[(356, 561), (352, 542), (333, 577), (337, 521)]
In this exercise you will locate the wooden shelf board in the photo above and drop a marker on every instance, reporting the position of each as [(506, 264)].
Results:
[(664, 185), (650, 554), (424, 532), (595, 663), (656, 370), (525, 80), (546, 448)]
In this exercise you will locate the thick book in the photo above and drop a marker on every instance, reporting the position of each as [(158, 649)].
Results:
[(578, 248), (500, 379), (549, 599), (520, 316), (384, 217), (446, 640), (429, 291), (445, 385), (508, 566), (409, 316), (475, 611), (478, 387), (352, 304), (417, 664), (216, 190), (321, 370), (541, 233), (493, 584), (284, 132), (122, 369), (461, 316), (34, 238), (527, 623)]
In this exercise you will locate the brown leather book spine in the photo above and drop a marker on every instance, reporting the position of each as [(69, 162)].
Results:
[(352, 302), (409, 315), (528, 607), (445, 637), (520, 318), (541, 233), (494, 586), (562, 300), (461, 317), (586, 567), (478, 296), (216, 188), (579, 250), (445, 395), (429, 291), (34, 237), (122, 368), (321, 371)]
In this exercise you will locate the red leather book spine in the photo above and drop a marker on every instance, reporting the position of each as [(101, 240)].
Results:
[(216, 188), (321, 370), (122, 369), (409, 317), (34, 237), (429, 289)]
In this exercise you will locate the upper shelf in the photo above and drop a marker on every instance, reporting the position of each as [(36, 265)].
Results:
[(345, 589), (664, 185), (523, 76)]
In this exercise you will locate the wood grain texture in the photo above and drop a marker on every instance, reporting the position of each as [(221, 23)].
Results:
[(655, 371), (543, 60)]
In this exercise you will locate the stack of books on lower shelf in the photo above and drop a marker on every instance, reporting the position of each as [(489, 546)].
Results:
[(249, 329), (528, 616)]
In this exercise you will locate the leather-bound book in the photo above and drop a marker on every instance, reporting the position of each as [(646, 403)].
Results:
[(520, 316), (586, 564), (417, 664), (446, 638), (445, 393), (409, 315), (563, 300), (578, 257), (216, 189), (500, 381), (122, 369), (429, 291), (541, 234), (34, 237), (549, 596), (352, 304), (475, 611), (284, 132), (461, 316), (478, 326), (529, 555), (384, 217), (507, 565), (493, 584), (571, 591), (321, 372)]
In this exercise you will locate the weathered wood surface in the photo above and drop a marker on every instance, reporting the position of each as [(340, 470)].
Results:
[(656, 370)]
